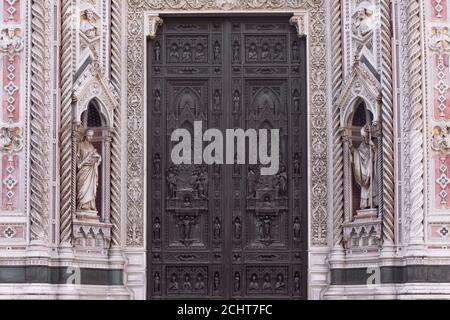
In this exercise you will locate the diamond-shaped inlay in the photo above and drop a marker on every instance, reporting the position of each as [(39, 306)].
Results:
[(11, 88), (443, 194), (443, 181), (10, 195), (11, 68), (444, 232), (9, 232), (10, 182)]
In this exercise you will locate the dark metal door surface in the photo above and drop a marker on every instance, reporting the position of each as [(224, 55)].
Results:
[(226, 231)]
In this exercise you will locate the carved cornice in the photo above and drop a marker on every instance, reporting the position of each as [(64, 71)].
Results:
[(226, 5)]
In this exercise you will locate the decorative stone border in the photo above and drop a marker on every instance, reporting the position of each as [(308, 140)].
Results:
[(140, 25)]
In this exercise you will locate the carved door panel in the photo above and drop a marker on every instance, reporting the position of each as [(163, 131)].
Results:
[(225, 231)]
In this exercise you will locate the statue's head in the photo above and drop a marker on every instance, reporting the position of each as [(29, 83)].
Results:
[(89, 14), (11, 32), (365, 133), (89, 135)]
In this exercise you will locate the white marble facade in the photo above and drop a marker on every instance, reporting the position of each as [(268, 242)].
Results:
[(389, 59)]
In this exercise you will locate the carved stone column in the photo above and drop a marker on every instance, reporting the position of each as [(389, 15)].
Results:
[(348, 206)]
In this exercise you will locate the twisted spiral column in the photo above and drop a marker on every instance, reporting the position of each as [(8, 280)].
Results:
[(338, 164), (116, 74), (40, 105), (66, 183), (387, 120), (416, 122)]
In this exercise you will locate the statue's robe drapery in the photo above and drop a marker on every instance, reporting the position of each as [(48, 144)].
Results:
[(364, 160), (87, 178)]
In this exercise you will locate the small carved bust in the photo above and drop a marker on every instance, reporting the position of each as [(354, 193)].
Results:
[(89, 24)]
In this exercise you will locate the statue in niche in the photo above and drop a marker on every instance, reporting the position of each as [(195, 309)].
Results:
[(157, 282), (157, 164), (253, 52), (187, 202), (362, 22), (201, 182), (173, 284), (295, 50), (216, 99), (254, 285), (217, 51), (173, 53), (297, 282), (89, 24), (282, 182), (297, 164), (365, 173), (172, 182), (236, 101), (237, 228), (199, 54), (296, 99), (88, 160), (217, 229), (236, 51), (278, 52), (187, 53), (157, 51), (186, 227), (157, 229), (267, 285), (157, 101), (252, 180), (264, 228), (187, 282), (297, 228), (280, 284), (265, 52), (200, 284), (237, 282), (216, 282)]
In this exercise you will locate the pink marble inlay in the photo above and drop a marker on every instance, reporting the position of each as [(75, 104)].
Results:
[(11, 89), (442, 178), (439, 9), (441, 87), (11, 10), (10, 181)]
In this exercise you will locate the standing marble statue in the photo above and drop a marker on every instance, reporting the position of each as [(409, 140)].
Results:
[(365, 170), (88, 160)]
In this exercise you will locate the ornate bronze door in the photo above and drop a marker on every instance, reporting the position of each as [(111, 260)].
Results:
[(225, 231)]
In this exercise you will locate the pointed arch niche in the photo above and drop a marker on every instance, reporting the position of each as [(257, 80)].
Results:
[(94, 101), (360, 123)]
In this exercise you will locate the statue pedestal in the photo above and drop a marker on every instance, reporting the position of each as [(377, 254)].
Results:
[(91, 235), (366, 214), (363, 234), (88, 215)]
